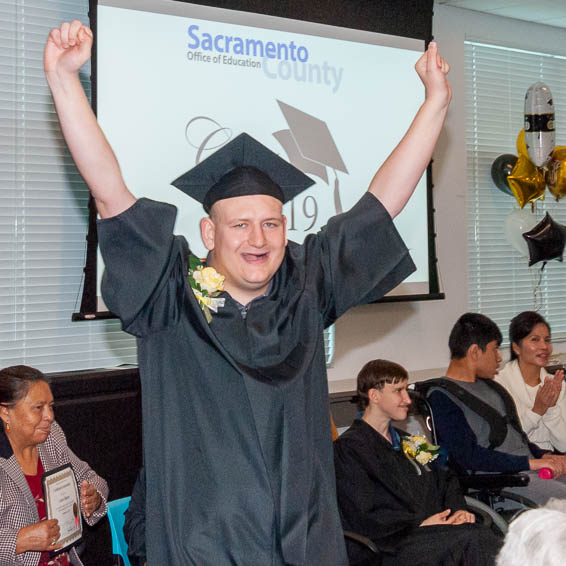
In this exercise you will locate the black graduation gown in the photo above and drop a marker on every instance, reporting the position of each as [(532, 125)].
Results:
[(382, 496), (134, 523), (237, 447)]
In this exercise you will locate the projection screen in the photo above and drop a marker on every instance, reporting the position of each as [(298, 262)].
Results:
[(176, 81)]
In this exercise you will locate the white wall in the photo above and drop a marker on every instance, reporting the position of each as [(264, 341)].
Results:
[(416, 334)]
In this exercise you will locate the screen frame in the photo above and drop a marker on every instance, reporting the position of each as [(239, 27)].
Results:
[(89, 301)]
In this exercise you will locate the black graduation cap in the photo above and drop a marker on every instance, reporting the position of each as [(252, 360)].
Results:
[(239, 168)]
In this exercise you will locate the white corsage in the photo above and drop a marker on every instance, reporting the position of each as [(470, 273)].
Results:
[(206, 284), (418, 448)]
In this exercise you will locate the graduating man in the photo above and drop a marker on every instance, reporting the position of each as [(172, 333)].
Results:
[(237, 447)]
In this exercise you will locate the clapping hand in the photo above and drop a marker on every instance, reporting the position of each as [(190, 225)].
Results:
[(558, 380), (548, 393)]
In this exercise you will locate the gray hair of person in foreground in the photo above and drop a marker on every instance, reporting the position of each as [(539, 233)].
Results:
[(536, 537)]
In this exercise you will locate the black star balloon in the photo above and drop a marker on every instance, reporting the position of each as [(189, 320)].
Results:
[(546, 240)]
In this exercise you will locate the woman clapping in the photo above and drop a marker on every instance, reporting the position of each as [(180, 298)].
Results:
[(538, 395)]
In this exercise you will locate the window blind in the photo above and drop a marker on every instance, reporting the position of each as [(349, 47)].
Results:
[(500, 282), (43, 210)]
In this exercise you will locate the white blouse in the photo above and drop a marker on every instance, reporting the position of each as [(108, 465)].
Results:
[(547, 431)]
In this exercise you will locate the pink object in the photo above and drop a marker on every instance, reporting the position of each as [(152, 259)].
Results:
[(545, 474)]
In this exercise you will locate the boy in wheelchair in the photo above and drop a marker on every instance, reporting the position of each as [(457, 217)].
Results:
[(390, 490), (476, 420)]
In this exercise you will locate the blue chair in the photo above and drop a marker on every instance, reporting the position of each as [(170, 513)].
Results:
[(116, 510)]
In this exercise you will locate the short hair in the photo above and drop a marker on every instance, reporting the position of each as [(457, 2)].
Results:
[(374, 375), (537, 537), (472, 328), (522, 325), (15, 382)]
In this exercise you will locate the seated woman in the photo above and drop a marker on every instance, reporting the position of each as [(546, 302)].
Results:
[(32, 443), (413, 512), (539, 396)]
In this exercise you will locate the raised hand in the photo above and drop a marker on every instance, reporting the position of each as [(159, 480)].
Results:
[(68, 48), (39, 537), (90, 498), (432, 70)]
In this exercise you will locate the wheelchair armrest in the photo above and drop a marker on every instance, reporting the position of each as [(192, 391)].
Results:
[(483, 513), (368, 543), (492, 481)]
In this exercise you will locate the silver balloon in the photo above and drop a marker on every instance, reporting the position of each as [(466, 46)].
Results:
[(539, 123), (518, 222)]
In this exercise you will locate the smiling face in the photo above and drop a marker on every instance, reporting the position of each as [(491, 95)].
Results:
[(30, 418), (535, 348), (246, 237), (392, 402)]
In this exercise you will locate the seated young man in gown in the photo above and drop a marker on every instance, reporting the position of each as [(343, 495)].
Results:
[(411, 509), (476, 419)]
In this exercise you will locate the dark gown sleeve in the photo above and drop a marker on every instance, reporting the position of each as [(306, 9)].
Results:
[(455, 434), (366, 507), (453, 497), (144, 266), (361, 257), (134, 523)]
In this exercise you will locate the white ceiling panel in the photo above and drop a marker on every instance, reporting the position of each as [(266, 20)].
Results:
[(548, 12)]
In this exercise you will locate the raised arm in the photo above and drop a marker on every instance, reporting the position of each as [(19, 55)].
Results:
[(67, 49), (396, 179)]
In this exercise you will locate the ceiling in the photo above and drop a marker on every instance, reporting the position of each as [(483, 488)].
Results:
[(549, 12)]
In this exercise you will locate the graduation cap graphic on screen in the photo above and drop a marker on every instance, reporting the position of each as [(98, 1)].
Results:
[(310, 147), (242, 167)]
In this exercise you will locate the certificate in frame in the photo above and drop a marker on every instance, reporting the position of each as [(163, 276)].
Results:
[(62, 502)]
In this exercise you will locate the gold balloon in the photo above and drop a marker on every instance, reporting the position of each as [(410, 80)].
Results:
[(522, 145), (556, 173), (526, 181)]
